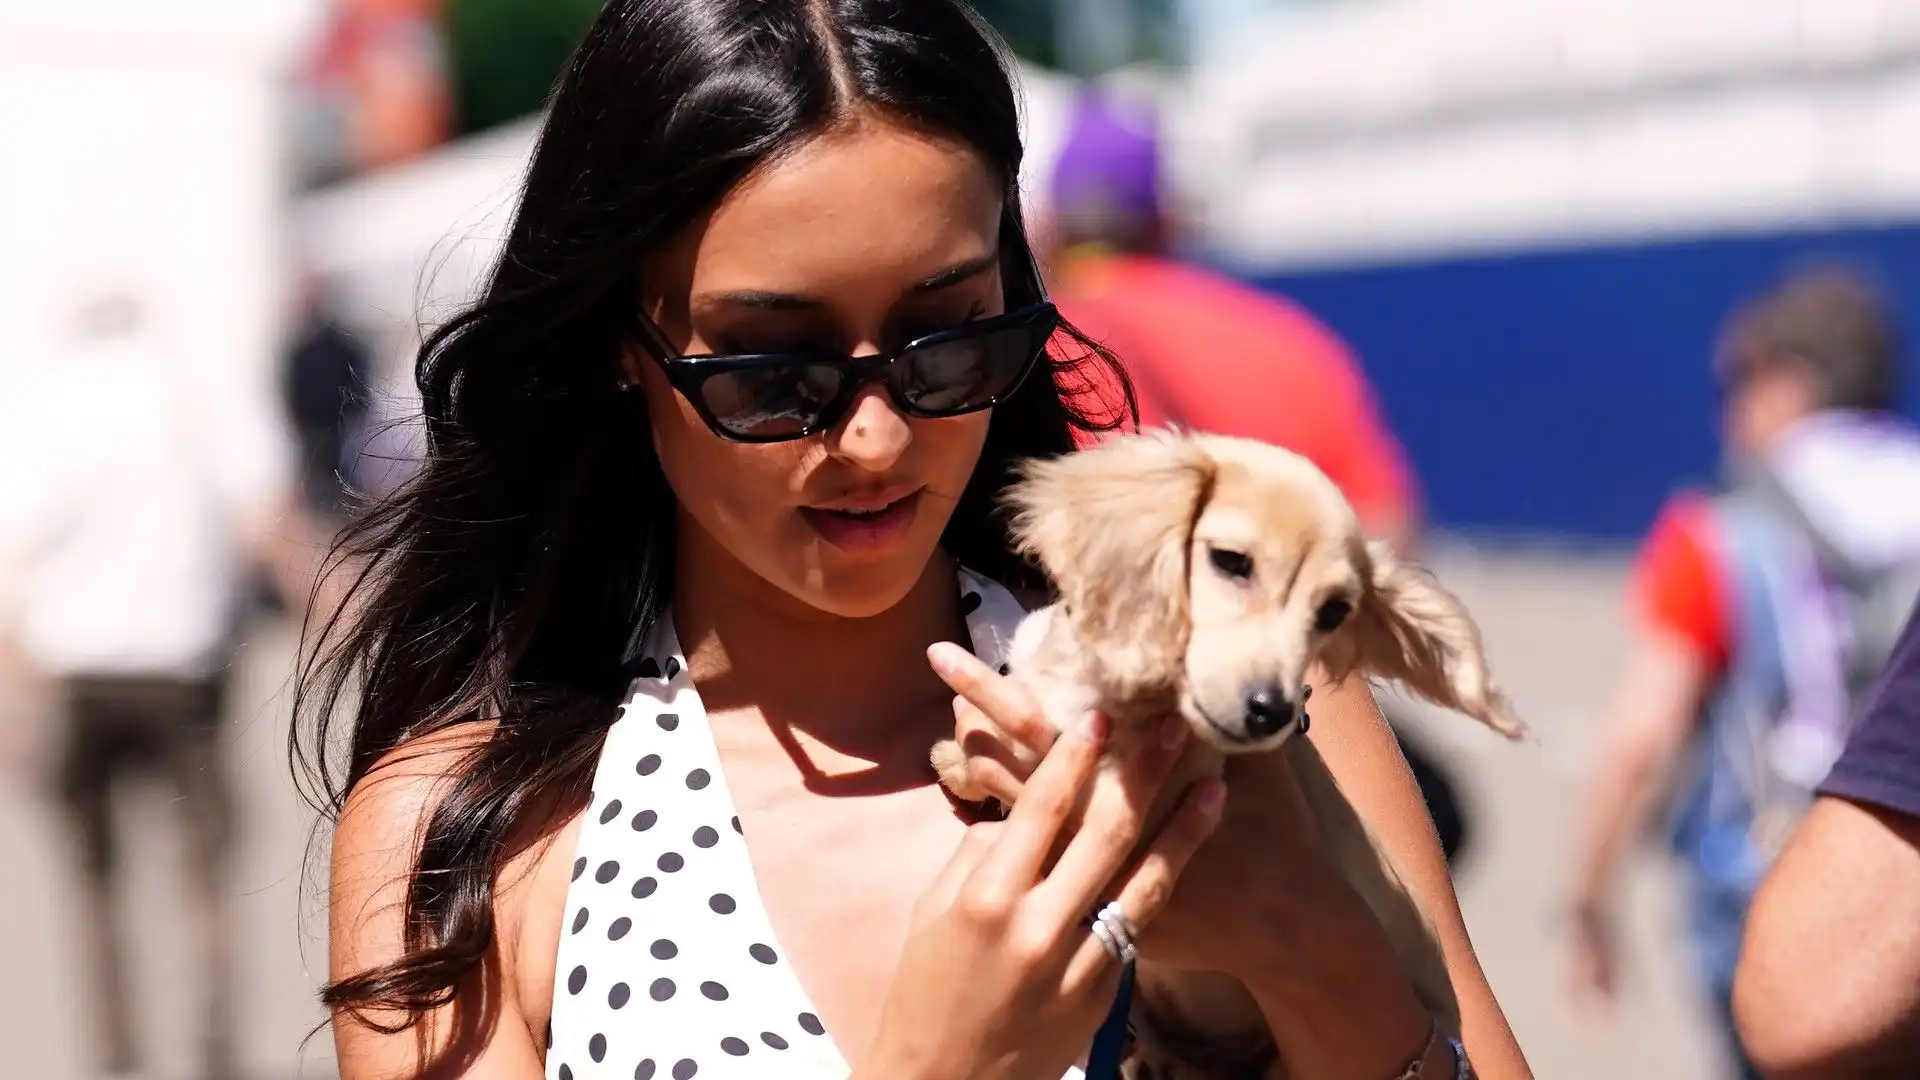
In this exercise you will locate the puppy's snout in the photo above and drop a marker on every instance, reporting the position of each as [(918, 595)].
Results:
[(1268, 711)]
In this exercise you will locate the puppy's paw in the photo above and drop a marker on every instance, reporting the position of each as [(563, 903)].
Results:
[(950, 764)]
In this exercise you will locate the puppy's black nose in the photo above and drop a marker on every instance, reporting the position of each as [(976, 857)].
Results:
[(1268, 710)]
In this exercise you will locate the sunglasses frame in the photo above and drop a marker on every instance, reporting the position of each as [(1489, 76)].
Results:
[(688, 373)]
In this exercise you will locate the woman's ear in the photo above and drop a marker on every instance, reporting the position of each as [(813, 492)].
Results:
[(1111, 526), (1412, 631)]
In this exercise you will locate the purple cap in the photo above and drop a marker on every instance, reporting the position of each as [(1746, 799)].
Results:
[(1110, 159)]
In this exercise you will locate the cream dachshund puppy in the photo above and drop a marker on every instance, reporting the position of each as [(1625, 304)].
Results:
[(1202, 575)]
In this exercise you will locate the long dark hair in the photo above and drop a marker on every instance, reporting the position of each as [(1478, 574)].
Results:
[(510, 578)]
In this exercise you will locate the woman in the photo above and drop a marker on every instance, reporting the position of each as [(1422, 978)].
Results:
[(638, 781)]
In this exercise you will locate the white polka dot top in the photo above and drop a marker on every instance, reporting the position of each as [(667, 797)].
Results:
[(668, 964)]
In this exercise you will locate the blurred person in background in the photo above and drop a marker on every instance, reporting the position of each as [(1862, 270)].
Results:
[(1761, 613), (326, 386), (128, 520), (1207, 352), (375, 89), (1828, 986)]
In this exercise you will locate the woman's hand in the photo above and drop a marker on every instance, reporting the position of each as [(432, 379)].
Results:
[(1261, 901), (1263, 862), (998, 978)]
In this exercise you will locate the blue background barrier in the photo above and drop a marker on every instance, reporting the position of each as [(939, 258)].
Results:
[(1566, 391)]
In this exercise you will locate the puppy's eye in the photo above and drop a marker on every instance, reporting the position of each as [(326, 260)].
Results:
[(1234, 564), (1331, 615)]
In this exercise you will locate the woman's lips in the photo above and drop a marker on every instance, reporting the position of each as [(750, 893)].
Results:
[(857, 531)]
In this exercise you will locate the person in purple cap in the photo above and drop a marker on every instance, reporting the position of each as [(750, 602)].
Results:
[(1204, 350), (1207, 352)]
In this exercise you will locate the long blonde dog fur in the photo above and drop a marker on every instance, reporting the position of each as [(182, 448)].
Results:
[(1202, 576)]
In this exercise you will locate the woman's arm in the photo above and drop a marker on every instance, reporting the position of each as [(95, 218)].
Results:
[(481, 1034), (1361, 752)]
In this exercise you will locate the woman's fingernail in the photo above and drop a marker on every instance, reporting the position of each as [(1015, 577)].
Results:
[(940, 658), (1095, 727), (1173, 732), (1211, 797)]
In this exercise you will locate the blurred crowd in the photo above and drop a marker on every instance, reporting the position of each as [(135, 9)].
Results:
[(138, 544)]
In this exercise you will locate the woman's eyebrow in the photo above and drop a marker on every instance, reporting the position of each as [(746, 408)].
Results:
[(771, 300), (957, 273)]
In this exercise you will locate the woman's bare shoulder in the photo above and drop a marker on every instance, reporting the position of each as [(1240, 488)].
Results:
[(392, 800), (376, 848)]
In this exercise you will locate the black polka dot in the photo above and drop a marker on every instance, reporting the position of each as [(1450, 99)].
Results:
[(644, 820), (671, 862), (664, 950), (705, 836), (970, 603), (698, 779), (612, 811), (773, 1040), (736, 1047), (597, 1047), (549, 1034), (1006, 669), (763, 953), (721, 903), (648, 765), (619, 928), (684, 1069), (607, 872), (618, 996), (644, 888), (644, 1070), (577, 981), (736, 826), (810, 1024), (648, 669), (661, 990), (580, 921), (714, 991), (579, 867), (668, 721), (566, 1073), (673, 666)]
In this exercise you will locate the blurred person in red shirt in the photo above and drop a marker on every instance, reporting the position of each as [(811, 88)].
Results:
[(1760, 613), (1203, 350), (379, 77), (1206, 352)]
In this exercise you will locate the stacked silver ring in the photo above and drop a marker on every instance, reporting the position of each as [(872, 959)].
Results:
[(1115, 931)]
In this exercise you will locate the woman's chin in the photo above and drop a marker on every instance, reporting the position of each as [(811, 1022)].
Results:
[(867, 584)]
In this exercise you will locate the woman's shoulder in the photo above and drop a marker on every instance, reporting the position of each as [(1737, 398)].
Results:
[(407, 780), (376, 846)]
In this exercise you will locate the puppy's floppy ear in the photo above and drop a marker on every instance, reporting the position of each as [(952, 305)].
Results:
[(1410, 630), (1111, 525)]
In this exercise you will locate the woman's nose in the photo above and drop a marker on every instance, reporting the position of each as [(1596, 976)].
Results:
[(873, 435)]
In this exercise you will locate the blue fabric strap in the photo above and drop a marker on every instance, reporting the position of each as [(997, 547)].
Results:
[(1110, 1042)]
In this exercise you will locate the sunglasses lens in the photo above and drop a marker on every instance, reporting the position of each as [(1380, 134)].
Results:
[(953, 377), (778, 401)]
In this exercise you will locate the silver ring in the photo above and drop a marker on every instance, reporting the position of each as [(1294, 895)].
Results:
[(1115, 932)]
